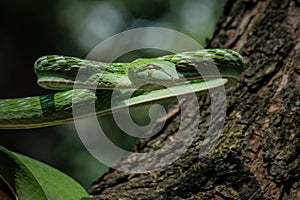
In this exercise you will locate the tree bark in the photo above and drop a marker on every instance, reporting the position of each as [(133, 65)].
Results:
[(257, 155)]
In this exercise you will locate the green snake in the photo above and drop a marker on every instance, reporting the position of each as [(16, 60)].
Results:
[(59, 73)]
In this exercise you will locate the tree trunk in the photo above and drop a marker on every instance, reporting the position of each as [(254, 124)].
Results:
[(257, 155)]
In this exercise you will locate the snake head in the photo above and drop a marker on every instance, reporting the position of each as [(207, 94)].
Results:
[(152, 74)]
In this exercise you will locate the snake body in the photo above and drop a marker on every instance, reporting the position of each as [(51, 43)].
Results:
[(60, 73)]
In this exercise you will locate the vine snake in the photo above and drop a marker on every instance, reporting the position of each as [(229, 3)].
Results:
[(170, 71)]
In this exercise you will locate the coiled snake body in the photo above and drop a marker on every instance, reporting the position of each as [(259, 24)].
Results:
[(152, 76)]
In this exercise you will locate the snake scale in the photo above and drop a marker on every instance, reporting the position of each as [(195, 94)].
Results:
[(152, 77)]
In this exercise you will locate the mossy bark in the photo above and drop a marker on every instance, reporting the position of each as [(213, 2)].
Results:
[(257, 155)]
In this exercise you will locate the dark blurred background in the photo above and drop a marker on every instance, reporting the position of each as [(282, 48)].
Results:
[(30, 29)]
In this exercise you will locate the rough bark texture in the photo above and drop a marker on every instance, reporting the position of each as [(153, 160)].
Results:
[(258, 153)]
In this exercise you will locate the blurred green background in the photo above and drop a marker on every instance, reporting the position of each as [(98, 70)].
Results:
[(29, 29)]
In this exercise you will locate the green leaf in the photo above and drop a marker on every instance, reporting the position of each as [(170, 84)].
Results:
[(31, 179)]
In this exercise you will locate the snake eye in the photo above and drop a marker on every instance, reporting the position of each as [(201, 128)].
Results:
[(150, 69)]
